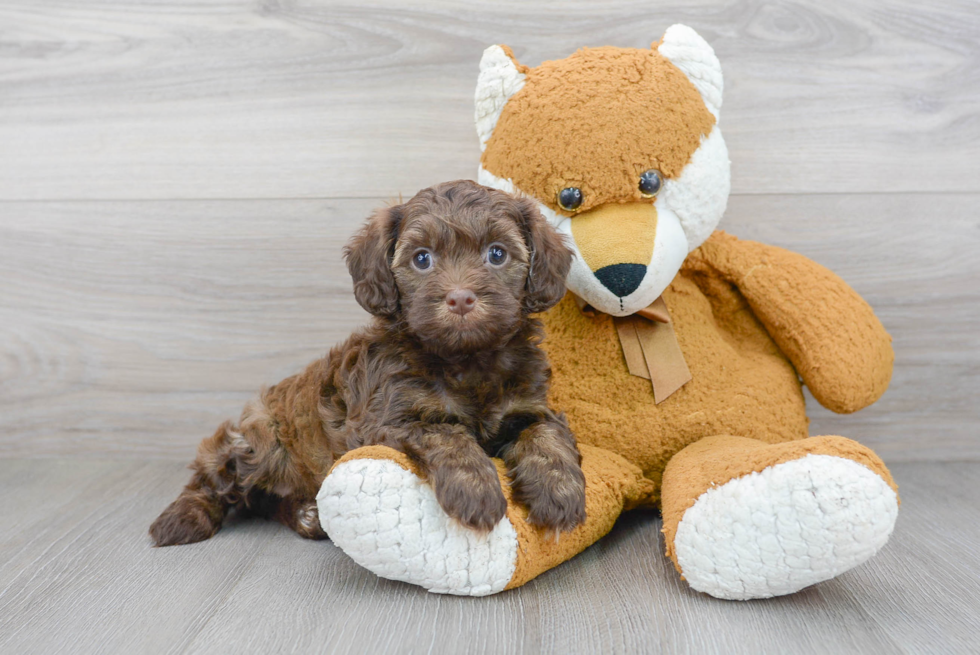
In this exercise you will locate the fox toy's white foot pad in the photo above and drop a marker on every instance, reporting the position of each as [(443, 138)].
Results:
[(388, 520), (787, 527)]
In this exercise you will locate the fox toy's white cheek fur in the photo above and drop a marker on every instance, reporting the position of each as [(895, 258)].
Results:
[(699, 195)]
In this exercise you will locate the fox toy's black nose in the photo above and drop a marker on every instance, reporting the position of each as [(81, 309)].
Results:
[(461, 301), (621, 279)]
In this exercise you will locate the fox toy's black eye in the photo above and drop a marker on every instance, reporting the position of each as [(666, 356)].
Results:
[(496, 255), (650, 183), (422, 260), (570, 198)]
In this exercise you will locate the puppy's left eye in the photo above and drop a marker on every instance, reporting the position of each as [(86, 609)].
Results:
[(496, 255), (422, 260)]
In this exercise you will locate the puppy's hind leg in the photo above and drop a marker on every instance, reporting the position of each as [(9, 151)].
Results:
[(214, 489), (300, 515)]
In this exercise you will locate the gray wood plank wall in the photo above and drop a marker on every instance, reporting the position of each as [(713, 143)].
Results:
[(177, 180)]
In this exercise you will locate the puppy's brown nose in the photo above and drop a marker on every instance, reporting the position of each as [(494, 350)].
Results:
[(461, 301)]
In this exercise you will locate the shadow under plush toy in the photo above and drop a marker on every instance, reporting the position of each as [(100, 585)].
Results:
[(677, 354)]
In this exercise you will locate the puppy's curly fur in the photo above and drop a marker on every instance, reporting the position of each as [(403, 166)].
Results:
[(449, 372)]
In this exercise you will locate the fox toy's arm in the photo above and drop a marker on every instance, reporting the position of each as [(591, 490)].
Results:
[(830, 334)]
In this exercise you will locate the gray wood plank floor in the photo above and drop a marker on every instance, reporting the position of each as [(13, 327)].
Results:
[(77, 574)]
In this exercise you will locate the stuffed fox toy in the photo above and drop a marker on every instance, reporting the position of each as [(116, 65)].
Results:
[(678, 354)]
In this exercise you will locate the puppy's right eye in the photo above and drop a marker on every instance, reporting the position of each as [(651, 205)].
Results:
[(422, 260), (496, 255)]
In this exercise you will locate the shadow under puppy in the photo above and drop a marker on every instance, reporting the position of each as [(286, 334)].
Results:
[(449, 372)]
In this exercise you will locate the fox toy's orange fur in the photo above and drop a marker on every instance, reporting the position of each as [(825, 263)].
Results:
[(571, 133), (754, 322)]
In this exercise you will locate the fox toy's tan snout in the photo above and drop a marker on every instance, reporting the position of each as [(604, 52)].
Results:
[(616, 242)]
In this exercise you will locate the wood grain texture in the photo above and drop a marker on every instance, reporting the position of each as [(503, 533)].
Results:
[(177, 180), (78, 574), (106, 99), (132, 329)]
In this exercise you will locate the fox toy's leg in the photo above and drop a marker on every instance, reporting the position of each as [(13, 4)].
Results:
[(377, 507), (744, 519)]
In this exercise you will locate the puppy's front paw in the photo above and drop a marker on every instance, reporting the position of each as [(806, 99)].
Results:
[(556, 500), (471, 495)]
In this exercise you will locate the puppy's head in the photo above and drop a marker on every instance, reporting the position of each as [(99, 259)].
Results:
[(460, 265)]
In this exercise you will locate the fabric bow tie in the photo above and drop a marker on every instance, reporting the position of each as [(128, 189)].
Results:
[(650, 347)]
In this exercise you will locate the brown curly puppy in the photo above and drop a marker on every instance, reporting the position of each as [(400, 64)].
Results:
[(449, 372)]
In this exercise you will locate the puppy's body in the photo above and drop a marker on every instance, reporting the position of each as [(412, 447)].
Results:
[(449, 372)]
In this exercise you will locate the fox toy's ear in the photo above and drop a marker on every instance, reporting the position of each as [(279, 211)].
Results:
[(368, 255), (689, 52), (500, 78)]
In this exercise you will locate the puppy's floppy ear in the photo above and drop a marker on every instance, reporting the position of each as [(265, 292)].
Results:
[(368, 255), (550, 260)]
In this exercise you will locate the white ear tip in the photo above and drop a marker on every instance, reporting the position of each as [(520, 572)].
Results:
[(688, 42), (680, 33), (491, 55), (499, 80), (687, 50)]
